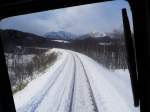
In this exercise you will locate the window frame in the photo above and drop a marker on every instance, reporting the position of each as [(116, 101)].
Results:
[(141, 23)]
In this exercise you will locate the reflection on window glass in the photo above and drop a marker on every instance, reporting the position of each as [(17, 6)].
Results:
[(69, 60)]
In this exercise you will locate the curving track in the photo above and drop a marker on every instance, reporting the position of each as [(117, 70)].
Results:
[(70, 86)]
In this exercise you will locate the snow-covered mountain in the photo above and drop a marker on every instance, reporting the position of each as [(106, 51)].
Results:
[(60, 35), (97, 34), (94, 35)]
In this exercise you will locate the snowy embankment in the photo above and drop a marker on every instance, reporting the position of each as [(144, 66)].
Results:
[(76, 83), (112, 88), (35, 86)]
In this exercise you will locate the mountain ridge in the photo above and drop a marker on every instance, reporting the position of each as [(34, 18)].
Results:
[(60, 35)]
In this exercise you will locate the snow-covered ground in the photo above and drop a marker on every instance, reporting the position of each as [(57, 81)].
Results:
[(76, 83), (64, 41)]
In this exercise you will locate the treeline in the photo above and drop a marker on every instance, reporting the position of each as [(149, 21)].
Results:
[(111, 56), (111, 53), (22, 66), (109, 50)]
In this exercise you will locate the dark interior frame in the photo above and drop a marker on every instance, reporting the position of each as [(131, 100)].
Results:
[(141, 21)]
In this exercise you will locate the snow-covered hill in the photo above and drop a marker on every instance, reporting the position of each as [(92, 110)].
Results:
[(76, 83)]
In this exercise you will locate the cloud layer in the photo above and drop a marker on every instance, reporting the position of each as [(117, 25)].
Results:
[(99, 17)]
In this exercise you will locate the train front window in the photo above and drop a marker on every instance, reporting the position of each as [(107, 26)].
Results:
[(69, 60)]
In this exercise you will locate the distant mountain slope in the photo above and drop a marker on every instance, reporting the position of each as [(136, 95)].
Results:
[(13, 38), (105, 50), (60, 35)]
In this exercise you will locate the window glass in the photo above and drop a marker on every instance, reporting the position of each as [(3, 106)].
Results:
[(69, 60)]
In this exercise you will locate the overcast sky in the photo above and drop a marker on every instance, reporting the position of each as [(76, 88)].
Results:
[(98, 17)]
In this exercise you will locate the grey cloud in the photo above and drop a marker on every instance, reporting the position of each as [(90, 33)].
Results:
[(102, 17)]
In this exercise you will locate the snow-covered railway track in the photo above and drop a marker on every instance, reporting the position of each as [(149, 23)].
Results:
[(37, 99), (74, 84), (94, 105), (73, 87)]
